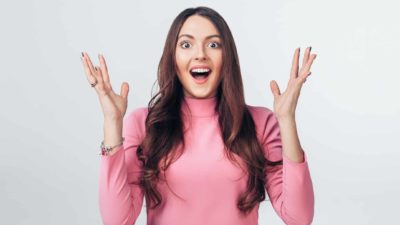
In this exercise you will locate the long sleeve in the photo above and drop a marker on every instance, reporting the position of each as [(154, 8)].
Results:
[(289, 186), (120, 197)]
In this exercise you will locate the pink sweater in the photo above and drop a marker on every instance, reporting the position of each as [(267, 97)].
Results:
[(207, 182)]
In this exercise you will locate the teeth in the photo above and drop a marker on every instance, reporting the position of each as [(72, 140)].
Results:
[(200, 70)]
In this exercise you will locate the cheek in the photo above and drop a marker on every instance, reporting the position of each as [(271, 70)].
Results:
[(181, 60), (216, 57), (218, 60)]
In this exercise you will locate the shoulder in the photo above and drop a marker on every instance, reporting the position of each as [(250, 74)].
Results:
[(265, 121), (260, 113), (139, 113), (135, 122)]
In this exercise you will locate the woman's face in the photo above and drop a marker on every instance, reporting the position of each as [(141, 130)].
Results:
[(199, 57)]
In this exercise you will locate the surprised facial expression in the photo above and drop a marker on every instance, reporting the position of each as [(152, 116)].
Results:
[(198, 57)]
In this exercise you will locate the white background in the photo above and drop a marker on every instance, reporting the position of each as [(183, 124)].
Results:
[(51, 121)]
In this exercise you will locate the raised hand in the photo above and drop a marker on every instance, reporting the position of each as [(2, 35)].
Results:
[(285, 103), (114, 106)]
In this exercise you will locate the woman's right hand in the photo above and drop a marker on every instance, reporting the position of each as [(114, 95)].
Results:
[(113, 105)]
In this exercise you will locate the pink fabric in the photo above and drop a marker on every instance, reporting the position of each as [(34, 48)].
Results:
[(203, 185)]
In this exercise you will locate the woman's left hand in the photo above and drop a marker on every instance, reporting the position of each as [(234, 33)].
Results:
[(285, 103)]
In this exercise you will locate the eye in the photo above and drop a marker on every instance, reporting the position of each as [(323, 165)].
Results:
[(214, 44), (185, 44)]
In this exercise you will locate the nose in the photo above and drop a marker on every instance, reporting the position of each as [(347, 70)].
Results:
[(200, 54)]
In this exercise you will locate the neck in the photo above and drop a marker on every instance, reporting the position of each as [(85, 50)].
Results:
[(199, 107)]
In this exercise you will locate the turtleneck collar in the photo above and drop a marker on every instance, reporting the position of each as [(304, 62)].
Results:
[(199, 107)]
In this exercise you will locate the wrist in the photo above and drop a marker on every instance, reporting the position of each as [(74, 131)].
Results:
[(106, 150), (286, 119), (113, 119), (112, 132)]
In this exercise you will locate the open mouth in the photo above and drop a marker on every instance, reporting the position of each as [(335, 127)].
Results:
[(200, 73)]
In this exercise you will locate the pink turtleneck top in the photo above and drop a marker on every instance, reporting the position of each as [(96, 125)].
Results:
[(203, 185)]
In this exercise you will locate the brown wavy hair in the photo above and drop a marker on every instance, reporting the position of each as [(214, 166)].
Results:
[(164, 140)]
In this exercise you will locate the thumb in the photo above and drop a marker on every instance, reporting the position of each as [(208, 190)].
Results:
[(124, 89), (275, 88)]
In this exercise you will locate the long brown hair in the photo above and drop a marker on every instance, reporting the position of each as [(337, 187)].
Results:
[(164, 140)]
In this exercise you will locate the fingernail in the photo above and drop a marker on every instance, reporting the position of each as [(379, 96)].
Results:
[(82, 54), (310, 48)]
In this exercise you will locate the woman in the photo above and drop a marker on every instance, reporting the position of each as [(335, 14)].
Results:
[(198, 153)]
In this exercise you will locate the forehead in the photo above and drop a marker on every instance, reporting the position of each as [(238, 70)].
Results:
[(198, 26)]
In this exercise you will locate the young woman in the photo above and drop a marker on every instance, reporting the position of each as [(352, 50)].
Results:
[(198, 154)]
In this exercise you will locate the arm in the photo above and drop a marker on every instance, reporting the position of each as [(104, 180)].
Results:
[(120, 199), (289, 186)]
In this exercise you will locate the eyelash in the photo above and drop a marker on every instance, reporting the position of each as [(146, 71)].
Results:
[(214, 42)]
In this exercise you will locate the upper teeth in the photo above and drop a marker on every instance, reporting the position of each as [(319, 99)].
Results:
[(200, 70)]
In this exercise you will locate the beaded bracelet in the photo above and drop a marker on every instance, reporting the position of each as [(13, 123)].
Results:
[(105, 150)]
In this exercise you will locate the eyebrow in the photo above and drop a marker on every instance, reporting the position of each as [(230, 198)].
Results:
[(191, 37)]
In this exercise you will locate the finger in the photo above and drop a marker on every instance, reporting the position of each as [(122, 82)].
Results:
[(303, 78), (95, 74), (88, 62), (306, 56), (89, 75), (307, 67), (95, 71), (275, 88), (104, 69), (99, 84), (124, 90), (295, 64), (99, 76)]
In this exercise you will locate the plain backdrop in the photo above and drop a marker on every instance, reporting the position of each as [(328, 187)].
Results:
[(51, 123)]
